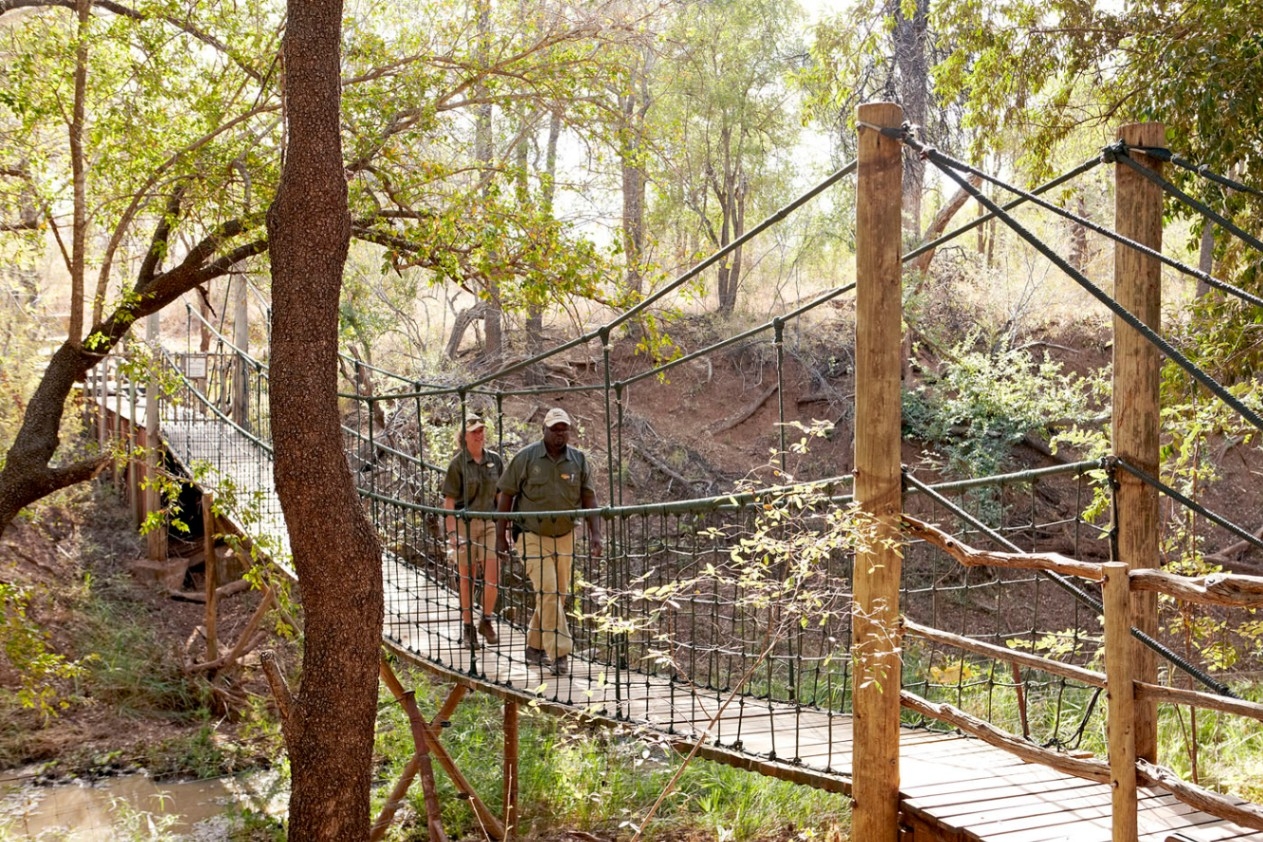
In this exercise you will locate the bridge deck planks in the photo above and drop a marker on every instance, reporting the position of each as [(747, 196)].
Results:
[(954, 788)]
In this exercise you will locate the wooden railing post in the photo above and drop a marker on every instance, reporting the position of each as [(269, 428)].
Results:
[(1137, 286), (878, 416), (157, 537), (116, 467), (132, 470), (211, 568), (1121, 695)]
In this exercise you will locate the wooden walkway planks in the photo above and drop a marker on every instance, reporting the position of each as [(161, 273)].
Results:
[(953, 788)]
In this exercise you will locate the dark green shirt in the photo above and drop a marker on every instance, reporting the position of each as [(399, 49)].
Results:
[(471, 484), (541, 484)]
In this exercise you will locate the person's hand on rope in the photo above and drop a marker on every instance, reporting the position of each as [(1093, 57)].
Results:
[(504, 549)]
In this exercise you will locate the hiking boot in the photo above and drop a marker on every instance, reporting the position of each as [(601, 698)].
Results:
[(488, 631), (561, 666), (537, 657), (469, 638)]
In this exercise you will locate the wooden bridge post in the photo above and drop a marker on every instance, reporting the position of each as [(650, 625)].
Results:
[(157, 537), (878, 418), (1138, 287), (1120, 653), (116, 466), (211, 568), (134, 495), (241, 338)]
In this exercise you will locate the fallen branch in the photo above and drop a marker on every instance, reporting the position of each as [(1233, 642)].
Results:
[(944, 216), (659, 464), (1231, 552), (748, 411), (230, 589), (280, 690), (246, 641)]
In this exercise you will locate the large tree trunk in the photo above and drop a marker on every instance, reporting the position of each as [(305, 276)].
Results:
[(484, 151), (910, 37), (631, 152), (329, 732), (28, 474)]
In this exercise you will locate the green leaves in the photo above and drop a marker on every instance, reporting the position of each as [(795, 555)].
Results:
[(988, 399)]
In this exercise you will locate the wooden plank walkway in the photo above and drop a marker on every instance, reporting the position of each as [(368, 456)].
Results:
[(953, 788)]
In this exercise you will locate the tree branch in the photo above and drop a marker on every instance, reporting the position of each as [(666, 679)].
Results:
[(128, 12)]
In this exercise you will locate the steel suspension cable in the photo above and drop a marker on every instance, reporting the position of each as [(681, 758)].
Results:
[(1086, 166), (696, 270), (1071, 588), (1201, 207), (949, 166), (1115, 236), (1187, 502), (1200, 169)]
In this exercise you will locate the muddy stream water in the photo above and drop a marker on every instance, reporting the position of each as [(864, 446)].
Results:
[(133, 807)]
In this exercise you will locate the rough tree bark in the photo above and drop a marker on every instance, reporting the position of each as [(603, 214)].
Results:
[(329, 729)]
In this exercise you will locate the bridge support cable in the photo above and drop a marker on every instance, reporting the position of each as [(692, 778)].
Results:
[(1167, 187), (675, 284), (1163, 154), (950, 167), (1189, 503), (1111, 153), (1074, 590), (1023, 197)]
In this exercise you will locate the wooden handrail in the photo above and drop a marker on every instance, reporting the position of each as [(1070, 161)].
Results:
[(1224, 589), (973, 557), (1092, 678)]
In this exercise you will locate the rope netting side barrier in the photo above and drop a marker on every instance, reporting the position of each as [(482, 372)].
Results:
[(669, 621)]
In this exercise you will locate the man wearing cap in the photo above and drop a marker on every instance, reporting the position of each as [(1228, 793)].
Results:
[(470, 485), (549, 476)]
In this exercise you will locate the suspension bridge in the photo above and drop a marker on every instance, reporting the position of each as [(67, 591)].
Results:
[(941, 663)]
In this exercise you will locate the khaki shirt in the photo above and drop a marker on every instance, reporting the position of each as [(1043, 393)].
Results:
[(472, 484), (540, 484)]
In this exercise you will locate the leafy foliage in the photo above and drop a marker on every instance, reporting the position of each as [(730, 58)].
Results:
[(986, 400), (44, 674)]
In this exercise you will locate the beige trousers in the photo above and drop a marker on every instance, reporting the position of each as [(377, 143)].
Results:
[(476, 557), (548, 562)]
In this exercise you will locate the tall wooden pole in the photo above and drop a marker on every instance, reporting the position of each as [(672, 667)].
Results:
[(1138, 287), (875, 646), (157, 538), (211, 568), (1120, 689), (241, 338)]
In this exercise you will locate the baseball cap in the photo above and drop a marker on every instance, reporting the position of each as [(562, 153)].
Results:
[(474, 422), (557, 415)]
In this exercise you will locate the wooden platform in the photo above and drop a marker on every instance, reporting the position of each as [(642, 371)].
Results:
[(953, 788)]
